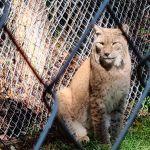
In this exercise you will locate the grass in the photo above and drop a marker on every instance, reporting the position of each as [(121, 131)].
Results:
[(138, 138)]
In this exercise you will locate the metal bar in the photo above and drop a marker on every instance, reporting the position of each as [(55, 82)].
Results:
[(145, 93), (70, 136), (48, 124), (125, 35), (132, 117), (83, 37), (5, 15), (145, 61), (62, 70)]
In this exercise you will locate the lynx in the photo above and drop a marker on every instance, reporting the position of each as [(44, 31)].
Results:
[(96, 97)]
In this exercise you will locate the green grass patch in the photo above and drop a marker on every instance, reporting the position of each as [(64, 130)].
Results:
[(138, 138)]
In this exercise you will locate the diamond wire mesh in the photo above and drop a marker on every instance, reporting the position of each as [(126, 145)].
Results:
[(48, 30), (1, 7)]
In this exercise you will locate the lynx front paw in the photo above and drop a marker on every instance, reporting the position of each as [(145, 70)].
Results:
[(80, 133), (84, 139)]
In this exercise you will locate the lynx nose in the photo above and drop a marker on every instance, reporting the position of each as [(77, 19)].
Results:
[(106, 54)]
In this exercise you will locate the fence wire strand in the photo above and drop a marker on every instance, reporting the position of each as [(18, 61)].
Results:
[(47, 31)]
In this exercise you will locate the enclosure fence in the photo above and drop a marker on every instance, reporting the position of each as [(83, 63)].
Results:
[(35, 43)]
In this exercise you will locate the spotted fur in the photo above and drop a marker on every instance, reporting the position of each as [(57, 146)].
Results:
[(96, 97)]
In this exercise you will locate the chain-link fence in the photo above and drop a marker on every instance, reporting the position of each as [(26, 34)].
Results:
[(47, 31)]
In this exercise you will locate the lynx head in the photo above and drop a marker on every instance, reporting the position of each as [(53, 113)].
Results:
[(110, 47)]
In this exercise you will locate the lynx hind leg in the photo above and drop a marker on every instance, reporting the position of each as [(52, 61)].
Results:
[(66, 112), (64, 100)]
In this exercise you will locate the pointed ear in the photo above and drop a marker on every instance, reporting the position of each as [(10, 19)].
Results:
[(125, 27), (97, 30)]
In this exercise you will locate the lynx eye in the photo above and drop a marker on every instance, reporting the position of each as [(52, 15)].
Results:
[(114, 43), (102, 43)]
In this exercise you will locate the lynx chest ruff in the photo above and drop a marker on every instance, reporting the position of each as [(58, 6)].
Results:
[(110, 87), (115, 92)]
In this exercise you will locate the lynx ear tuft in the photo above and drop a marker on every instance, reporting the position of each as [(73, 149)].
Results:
[(125, 28), (97, 30)]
